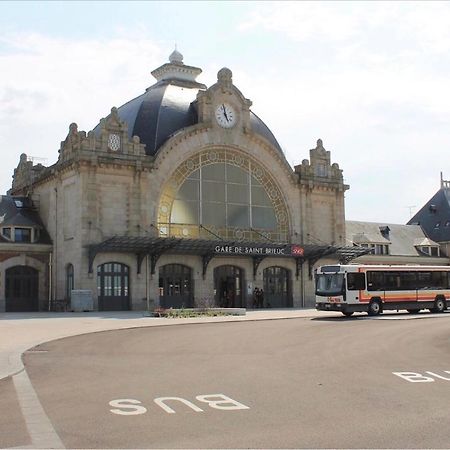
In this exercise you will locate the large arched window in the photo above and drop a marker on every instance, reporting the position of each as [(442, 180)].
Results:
[(226, 194)]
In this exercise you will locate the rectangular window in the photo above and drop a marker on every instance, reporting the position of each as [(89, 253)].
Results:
[(238, 194), (188, 191), (423, 280), (215, 172), (213, 192), (375, 281), (22, 235), (264, 218), (259, 197), (213, 214), (238, 216), (408, 280), (236, 175), (7, 233), (356, 281), (184, 212)]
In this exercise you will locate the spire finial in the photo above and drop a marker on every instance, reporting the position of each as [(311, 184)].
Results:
[(176, 57)]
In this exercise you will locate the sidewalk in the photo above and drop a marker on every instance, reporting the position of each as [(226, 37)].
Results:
[(22, 331)]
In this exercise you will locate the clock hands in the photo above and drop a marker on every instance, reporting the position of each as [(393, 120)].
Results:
[(225, 112)]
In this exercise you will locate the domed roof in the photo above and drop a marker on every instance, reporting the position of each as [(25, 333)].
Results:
[(170, 105)]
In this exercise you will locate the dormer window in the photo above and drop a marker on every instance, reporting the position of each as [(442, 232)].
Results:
[(375, 249), (20, 234), (430, 250), (384, 230)]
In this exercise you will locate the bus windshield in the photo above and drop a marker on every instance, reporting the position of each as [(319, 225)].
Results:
[(330, 284)]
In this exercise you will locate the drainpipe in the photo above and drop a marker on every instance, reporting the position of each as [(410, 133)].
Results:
[(50, 284), (147, 288), (55, 243)]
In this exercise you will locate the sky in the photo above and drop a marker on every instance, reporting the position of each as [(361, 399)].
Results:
[(371, 79)]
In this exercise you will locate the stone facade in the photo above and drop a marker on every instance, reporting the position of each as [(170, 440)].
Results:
[(104, 184)]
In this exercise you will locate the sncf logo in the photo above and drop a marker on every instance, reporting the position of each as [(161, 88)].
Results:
[(296, 250)]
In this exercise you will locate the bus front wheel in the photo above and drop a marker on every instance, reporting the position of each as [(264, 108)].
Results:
[(347, 313), (374, 308)]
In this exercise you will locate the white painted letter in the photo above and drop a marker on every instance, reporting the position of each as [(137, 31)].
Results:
[(160, 402), (119, 403), (221, 402), (440, 376), (414, 377)]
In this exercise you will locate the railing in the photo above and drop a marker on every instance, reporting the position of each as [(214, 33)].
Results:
[(190, 231)]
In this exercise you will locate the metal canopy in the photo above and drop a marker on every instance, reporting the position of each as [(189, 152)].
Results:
[(208, 249)]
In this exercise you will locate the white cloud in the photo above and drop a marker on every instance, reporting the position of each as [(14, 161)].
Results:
[(47, 83), (375, 91)]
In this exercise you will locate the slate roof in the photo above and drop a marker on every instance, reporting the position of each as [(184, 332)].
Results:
[(167, 107), (20, 212), (434, 217), (402, 239)]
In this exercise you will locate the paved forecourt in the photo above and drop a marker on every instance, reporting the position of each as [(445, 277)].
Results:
[(230, 379), (317, 383)]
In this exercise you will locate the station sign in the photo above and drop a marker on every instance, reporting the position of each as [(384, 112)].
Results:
[(260, 250)]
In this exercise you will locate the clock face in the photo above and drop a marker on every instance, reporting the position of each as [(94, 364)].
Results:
[(225, 115)]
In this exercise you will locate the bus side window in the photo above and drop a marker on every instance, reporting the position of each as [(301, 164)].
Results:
[(375, 281), (356, 281)]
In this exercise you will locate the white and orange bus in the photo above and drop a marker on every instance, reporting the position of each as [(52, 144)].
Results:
[(374, 288)]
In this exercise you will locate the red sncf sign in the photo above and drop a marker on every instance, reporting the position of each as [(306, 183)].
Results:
[(296, 250)]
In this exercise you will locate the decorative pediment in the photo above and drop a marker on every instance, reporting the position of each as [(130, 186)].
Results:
[(25, 173), (226, 95), (319, 169), (112, 138)]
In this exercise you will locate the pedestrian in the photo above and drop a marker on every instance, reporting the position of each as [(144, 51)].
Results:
[(261, 298), (255, 297)]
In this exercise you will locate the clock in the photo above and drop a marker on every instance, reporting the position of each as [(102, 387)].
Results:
[(225, 115)]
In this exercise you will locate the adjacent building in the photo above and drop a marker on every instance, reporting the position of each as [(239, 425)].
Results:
[(434, 217), (393, 244)]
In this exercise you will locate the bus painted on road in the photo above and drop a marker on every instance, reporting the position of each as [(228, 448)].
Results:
[(374, 288)]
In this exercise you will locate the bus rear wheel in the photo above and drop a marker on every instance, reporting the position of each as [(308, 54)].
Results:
[(439, 306), (374, 308)]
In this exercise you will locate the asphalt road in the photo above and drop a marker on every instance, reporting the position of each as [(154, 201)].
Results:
[(299, 383)]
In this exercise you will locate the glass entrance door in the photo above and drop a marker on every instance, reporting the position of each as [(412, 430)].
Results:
[(21, 289), (277, 292), (113, 287), (175, 286), (228, 282)]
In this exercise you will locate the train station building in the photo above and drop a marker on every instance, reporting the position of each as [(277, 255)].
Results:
[(180, 197)]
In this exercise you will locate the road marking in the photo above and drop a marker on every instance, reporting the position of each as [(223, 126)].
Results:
[(415, 377), (135, 407), (40, 429), (132, 407)]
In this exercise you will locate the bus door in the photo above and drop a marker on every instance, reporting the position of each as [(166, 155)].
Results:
[(375, 287)]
